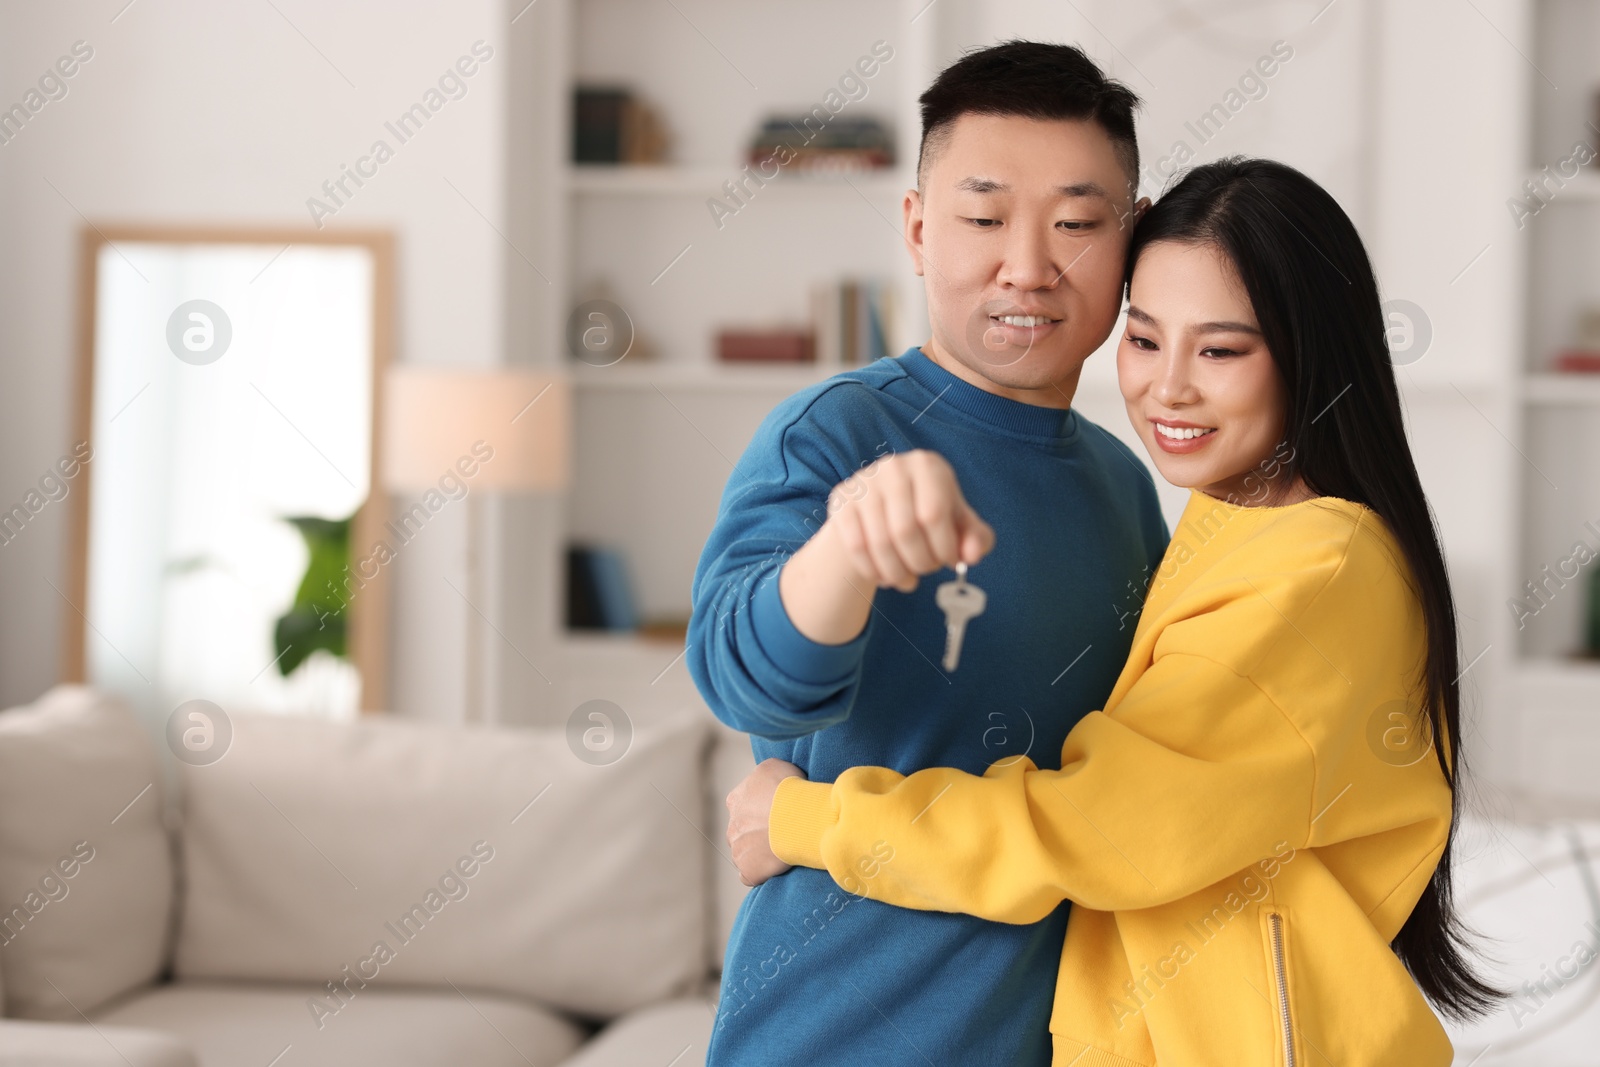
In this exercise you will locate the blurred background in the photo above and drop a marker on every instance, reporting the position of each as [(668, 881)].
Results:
[(392, 358)]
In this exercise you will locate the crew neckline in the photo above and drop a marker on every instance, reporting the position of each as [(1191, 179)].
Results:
[(1055, 426), (1195, 494)]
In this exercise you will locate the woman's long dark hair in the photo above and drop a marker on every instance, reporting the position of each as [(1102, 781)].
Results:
[(1316, 299)]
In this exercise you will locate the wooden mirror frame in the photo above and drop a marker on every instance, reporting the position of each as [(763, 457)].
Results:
[(367, 626)]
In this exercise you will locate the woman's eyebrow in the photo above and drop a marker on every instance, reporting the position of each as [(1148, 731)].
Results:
[(1147, 319), (1204, 327)]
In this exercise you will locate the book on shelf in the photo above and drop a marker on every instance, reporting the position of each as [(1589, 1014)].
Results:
[(852, 320), (611, 125), (599, 594), (1592, 623), (843, 144)]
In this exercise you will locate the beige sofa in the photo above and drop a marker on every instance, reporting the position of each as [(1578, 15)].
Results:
[(379, 893), (536, 909)]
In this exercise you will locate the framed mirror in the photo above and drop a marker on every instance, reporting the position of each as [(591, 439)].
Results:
[(229, 404)]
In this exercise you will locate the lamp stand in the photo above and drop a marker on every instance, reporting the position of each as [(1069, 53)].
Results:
[(473, 711)]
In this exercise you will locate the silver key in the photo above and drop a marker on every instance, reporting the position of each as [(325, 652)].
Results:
[(961, 601)]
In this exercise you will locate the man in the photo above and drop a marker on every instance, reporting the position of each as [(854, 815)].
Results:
[(813, 628)]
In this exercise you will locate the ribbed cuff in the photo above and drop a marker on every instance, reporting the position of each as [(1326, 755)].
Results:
[(801, 811), (1071, 1051), (801, 658)]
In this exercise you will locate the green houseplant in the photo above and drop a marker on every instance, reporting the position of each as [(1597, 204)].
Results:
[(316, 618)]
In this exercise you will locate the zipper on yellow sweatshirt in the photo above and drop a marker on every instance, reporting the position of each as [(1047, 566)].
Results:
[(1280, 971)]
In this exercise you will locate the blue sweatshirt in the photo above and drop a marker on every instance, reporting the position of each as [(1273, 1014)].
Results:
[(818, 974)]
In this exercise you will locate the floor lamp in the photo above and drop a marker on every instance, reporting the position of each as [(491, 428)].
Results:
[(438, 426)]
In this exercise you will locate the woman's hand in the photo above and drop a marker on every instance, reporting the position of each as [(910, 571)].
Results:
[(749, 812)]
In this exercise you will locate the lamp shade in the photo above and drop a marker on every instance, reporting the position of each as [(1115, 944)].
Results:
[(511, 427)]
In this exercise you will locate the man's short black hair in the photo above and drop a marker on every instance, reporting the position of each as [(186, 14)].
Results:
[(1034, 80)]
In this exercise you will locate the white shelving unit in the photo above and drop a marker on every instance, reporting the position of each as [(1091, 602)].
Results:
[(1556, 485), (656, 437), (1561, 390)]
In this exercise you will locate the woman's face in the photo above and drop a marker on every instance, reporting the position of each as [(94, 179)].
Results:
[(1201, 387)]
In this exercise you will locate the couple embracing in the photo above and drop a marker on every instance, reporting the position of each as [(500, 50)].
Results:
[(1187, 796)]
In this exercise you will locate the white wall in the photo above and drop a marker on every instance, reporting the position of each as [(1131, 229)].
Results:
[(228, 113), (1448, 148)]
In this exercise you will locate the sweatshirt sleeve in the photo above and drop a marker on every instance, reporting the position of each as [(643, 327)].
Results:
[(756, 671), (1131, 820)]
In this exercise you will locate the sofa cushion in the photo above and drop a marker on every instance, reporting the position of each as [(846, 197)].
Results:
[(243, 1025), (674, 1032), (36, 1044), (403, 854), (86, 871)]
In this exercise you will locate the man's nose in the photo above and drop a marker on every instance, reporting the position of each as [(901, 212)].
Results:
[(1030, 261)]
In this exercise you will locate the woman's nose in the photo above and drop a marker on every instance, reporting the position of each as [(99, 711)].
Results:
[(1172, 385)]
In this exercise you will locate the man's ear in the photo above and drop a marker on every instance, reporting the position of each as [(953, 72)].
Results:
[(911, 214)]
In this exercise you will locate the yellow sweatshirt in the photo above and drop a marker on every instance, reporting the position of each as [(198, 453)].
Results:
[(1242, 829)]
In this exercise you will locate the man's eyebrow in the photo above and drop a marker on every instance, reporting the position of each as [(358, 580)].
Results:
[(1204, 327), (1074, 191)]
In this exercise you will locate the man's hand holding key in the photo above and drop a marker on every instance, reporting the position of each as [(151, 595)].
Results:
[(890, 523), (902, 517)]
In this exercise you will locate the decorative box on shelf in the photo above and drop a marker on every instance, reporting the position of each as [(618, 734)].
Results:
[(766, 346), (1577, 361)]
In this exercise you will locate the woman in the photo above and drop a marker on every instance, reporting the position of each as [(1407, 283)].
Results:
[(1255, 830)]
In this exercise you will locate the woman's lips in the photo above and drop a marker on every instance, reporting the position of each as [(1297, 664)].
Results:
[(1181, 446)]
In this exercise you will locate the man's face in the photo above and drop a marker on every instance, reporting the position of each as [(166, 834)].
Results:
[(1020, 232)]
